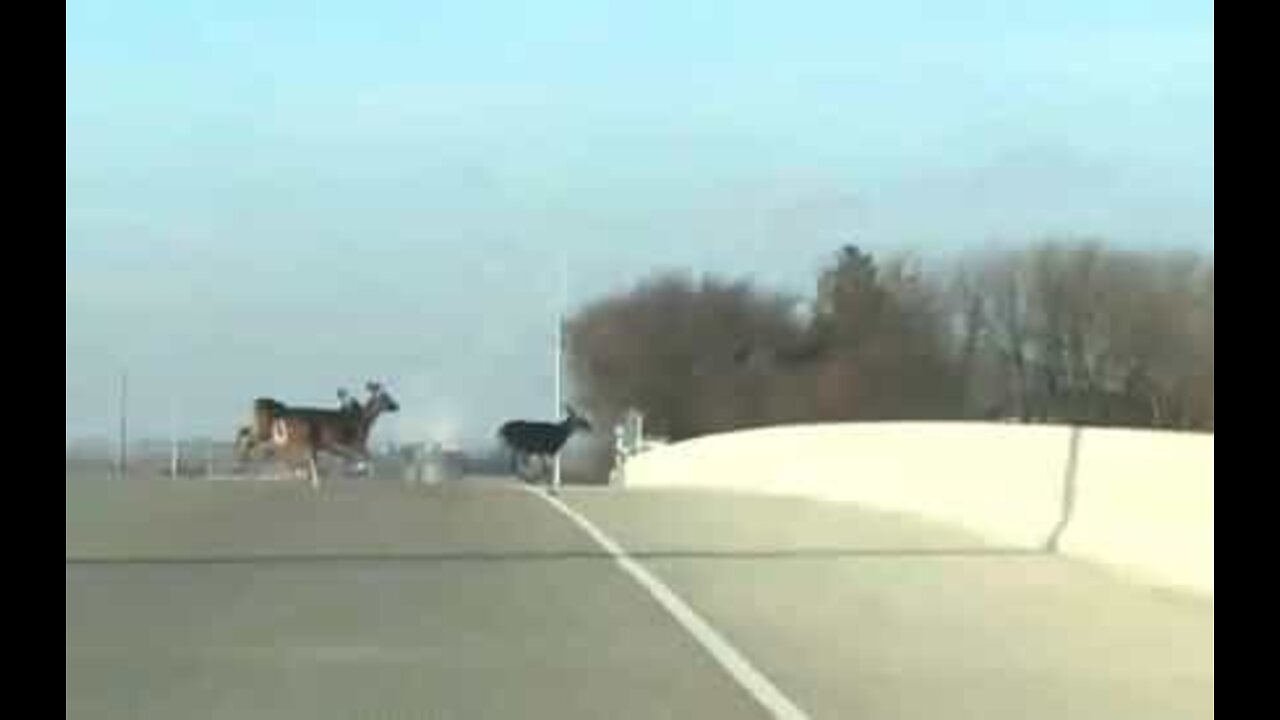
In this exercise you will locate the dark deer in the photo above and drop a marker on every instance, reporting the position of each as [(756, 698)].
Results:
[(529, 439)]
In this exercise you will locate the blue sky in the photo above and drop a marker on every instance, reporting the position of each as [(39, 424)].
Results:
[(279, 197)]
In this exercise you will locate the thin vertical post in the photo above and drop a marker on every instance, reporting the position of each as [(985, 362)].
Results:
[(559, 360), (124, 424), (173, 439)]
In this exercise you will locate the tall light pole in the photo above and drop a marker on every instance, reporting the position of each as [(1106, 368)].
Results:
[(562, 301)]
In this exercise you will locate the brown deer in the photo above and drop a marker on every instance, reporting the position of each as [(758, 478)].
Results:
[(298, 434)]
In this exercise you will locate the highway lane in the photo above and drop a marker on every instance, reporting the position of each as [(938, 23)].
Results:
[(247, 601), (864, 614), (478, 599)]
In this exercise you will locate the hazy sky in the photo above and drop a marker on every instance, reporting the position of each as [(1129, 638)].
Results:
[(275, 198)]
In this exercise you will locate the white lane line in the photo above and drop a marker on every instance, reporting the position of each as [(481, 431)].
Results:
[(733, 661)]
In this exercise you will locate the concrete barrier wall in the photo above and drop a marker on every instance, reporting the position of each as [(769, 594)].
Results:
[(924, 468), (1140, 501), (1143, 503)]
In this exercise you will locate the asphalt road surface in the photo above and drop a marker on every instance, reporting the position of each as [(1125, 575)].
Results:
[(481, 599)]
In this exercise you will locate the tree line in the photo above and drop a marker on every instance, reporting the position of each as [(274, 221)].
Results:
[(1061, 331)]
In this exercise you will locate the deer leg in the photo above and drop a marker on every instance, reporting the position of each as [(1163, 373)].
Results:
[(248, 449), (545, 462), (315, 471), (242, 445), (348, 454), (367, 458)]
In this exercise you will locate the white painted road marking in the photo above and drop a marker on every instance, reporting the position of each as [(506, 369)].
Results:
[(733, 661)]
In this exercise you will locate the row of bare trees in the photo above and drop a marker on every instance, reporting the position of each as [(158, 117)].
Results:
[(1059, 331), (1081, 332)]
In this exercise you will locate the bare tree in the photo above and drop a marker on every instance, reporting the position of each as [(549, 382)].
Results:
[(690, 354), (1085, 333)]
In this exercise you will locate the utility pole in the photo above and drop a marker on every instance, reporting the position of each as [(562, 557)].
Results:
[(124, 424), (173, 439), (559, 360)]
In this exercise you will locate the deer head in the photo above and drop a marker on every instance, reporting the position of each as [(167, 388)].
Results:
[(575, 421), (380, 400)]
